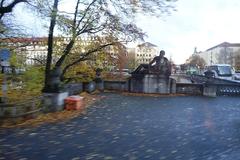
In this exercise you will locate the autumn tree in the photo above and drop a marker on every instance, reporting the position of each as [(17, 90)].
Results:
[(131, 61), (99, 59), (196, 60), (110, 22), (118, 56), (173, 65)]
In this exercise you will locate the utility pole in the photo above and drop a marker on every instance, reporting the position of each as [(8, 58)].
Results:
[(225, 53), (211, 61)]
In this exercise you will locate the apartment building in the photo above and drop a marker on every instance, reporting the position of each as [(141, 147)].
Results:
[(223, 53), (145, 52), (34, 50)]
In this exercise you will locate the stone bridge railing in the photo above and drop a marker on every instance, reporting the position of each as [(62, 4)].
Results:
[(228, 89), (204, 79), (207, 89), (116, 85), (189, 88)]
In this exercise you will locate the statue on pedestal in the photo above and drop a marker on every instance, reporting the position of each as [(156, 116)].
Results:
[(158, 66)]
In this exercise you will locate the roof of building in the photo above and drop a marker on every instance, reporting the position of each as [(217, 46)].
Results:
[(23, 40), (221, 65), (146, 44), (225, 44)]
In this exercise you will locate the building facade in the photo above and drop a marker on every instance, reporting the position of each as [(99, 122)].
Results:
[(224, 53), (30, 50), (34, 51), (145, 52)]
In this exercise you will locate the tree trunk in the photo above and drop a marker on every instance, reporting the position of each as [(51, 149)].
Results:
[(65, 53), (50, 45)]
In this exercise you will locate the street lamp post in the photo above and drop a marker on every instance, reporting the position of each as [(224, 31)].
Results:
[(211, 61)]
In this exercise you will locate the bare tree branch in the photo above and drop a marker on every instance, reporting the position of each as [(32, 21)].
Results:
[(80, 31), (94, 30), (84, 56), (75, 18), (42, 62), (65, 52), (85, 12), (9, 7)]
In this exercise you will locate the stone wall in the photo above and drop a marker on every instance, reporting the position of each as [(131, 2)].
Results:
[(116, 85), (189, 88)]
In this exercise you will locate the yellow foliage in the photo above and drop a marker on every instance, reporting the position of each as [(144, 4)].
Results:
[(81, 73)]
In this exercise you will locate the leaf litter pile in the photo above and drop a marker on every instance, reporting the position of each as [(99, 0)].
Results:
[(88, 99)]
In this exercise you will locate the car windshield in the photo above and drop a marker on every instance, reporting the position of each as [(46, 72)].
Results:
[(224, 70)]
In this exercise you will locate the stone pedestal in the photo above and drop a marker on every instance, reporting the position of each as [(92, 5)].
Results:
[(89, 86), (210, 90), (100, 86), (54, 101), (151, 83)]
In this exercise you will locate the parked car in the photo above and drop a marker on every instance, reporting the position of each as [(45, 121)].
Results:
[(237, 76), (223, 71), (192, 70)]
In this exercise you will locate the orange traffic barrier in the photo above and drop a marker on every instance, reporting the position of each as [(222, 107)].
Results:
[(74, 103)]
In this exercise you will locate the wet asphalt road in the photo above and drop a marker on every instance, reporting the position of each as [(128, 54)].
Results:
[(129, 127)]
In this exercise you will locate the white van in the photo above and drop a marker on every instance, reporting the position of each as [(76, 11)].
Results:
[(223, 71)]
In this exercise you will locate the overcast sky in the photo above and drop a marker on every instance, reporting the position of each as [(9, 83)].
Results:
[(196, 23)]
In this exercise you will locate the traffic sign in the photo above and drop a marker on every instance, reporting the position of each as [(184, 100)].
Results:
[(4, 54)]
